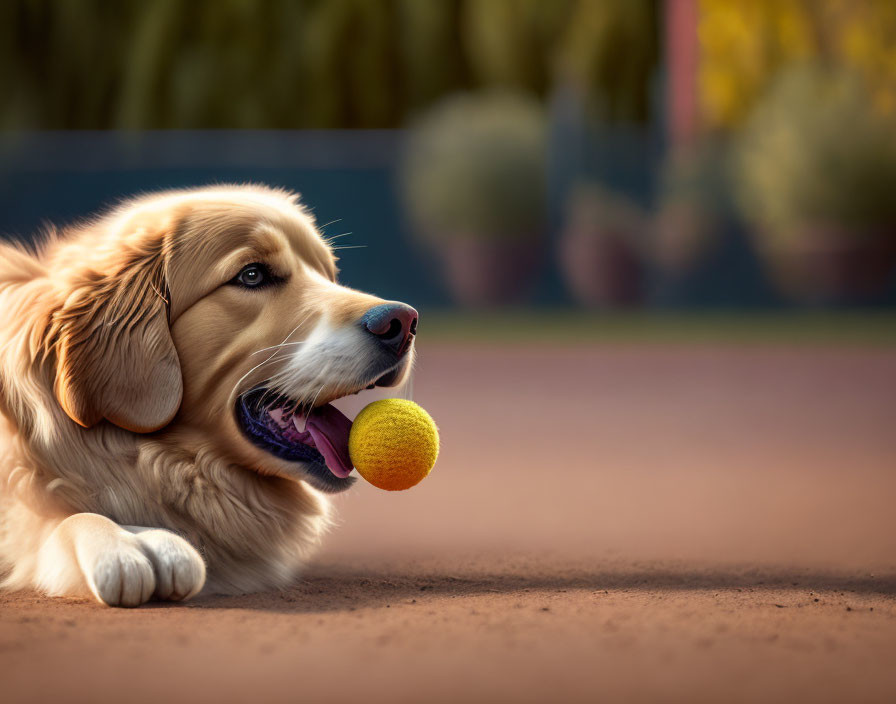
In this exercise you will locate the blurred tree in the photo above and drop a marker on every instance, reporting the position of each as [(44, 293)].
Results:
[(510, 43), (55, 71), (429, 44), (611, 50), (307, 63)]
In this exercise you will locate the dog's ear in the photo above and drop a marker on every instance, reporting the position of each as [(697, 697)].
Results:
[(114, 355)]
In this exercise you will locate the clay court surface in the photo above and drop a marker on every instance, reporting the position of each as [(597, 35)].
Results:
[(607, 522)]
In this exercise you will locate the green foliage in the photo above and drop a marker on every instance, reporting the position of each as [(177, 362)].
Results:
[(510, 43), (815, 151), (60, 61), (429, 51), (610, 49), (304, 63), (475, 167)]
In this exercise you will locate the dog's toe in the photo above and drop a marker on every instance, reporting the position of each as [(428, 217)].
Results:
[(179, 569), (122, 577)]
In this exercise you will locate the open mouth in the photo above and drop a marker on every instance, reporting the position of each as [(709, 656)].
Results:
[(315, 438)]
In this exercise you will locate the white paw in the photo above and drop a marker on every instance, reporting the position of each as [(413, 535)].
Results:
[(179, 569), (122, 576)]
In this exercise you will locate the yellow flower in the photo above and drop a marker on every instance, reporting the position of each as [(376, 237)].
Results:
[(744, 43)]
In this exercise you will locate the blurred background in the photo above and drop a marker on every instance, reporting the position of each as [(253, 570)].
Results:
[(653, 246), (584, 154)]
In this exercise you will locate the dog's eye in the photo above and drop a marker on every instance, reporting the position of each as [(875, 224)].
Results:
[(253, 276)]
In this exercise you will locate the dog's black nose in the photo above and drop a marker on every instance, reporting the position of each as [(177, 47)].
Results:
[(393, 324)]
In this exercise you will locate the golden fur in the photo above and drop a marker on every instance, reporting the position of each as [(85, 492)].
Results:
[(122, 353)]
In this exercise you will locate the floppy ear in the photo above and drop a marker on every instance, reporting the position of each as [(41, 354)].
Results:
[(114, 355)]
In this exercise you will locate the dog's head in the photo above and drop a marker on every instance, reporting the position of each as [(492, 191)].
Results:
[(216, 313)]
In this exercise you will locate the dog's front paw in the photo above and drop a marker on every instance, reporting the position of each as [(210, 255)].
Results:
[(179, 569), (122, 576)]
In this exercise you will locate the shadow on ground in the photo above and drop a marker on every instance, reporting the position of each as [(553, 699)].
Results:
[(343, 590)]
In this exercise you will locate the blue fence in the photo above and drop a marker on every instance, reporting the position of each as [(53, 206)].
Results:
[(349, 179)]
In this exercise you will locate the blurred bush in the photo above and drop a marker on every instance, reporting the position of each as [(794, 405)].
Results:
[(816, 150), (815, 168), (473, 178), (475, 168), (94, 64)]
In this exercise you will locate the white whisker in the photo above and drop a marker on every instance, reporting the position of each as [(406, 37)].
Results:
[(276, 347), (269, 359), (310, 407), (332, 222), (406, 390)]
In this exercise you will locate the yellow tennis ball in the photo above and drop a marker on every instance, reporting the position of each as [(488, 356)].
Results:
[(393, 443)]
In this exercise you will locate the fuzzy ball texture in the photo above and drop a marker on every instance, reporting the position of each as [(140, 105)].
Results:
[(393, 443)]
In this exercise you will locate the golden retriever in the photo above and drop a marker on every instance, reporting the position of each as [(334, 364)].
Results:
[(166, 373)]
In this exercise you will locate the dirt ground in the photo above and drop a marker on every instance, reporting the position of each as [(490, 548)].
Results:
[(606, 523)]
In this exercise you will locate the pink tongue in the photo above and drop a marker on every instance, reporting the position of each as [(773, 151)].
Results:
[(329, 428)]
